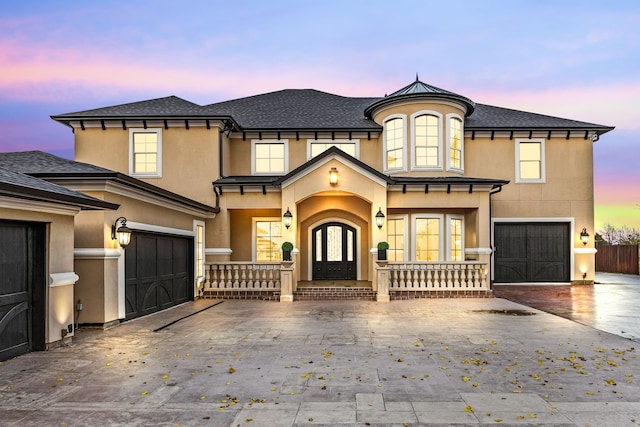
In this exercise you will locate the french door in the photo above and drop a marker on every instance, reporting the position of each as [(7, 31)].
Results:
[(334, 252)]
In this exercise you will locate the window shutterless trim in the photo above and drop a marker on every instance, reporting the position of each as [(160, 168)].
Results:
[(447, 154), (332, 142), (158, 172), (412, 125), (283, 142), (542, 178), (403, 119)]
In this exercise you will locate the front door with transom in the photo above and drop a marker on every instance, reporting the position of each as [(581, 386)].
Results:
[(334, 252)]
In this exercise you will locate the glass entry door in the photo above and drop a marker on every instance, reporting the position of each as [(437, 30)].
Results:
[(334, 252)]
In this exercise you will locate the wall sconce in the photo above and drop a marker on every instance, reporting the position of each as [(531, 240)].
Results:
[(122, 233), (287, 217), (584, 236), (379, 218), (333, 176)]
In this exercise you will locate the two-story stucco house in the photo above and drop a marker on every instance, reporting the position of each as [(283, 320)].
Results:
[(465, 194)]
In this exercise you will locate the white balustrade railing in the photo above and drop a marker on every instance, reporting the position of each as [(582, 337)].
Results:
[(242, 275), (469, 275)]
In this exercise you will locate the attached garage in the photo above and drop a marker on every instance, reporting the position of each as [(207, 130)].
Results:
[(532, 252), (22, 288), (158, 273)]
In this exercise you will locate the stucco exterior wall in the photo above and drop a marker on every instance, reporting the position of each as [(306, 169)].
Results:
[(59, 310)]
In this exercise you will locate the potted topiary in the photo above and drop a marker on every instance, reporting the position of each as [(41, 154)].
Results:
[(382, 251), (287, 247)]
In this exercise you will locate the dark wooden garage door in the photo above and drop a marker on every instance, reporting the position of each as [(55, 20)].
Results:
[(22, 288), (531, 252), (158, 271)]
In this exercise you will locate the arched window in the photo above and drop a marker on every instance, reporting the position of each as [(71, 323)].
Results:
[(426, 141)]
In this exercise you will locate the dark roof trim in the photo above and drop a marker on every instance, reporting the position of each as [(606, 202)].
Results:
[(600, 129), (129, 182), (122, 119), (449, 180), (28, 193)]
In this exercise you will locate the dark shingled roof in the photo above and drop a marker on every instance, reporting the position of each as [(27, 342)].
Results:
[(309, 109), (39, 162), (20, 185), (488, 117), (297, 109), (168, 106)]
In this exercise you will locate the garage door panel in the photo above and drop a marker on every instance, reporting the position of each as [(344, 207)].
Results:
[(512, 272), (547, 271), (531, 252), (163, 273), (22, 288)]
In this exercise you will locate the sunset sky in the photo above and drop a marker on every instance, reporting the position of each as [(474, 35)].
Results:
[(572, 59)]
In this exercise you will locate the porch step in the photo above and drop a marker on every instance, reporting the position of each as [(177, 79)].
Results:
[(318, 293)]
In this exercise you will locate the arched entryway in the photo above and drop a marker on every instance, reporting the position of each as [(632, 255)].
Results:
[(334, 256)]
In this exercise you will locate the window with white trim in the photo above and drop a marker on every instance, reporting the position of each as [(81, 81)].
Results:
[(267, 239), (427, 128), (318, 147), (199, 249), (394, 144), (145, 152), (455, 234), (396, 232), (530, 167), (428, 237), (269, 157), (455, 143)]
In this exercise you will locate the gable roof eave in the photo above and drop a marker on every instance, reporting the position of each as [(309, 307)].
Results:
[(131, 182), (333, 152)]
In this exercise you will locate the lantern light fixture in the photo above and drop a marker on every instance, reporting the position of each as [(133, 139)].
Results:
[(122, 233), (287, 218), (333, 176), (584, 236), (380, 218)]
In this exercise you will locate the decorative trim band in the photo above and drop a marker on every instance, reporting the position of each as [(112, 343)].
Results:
[(96, 253), (478, 251), (587, 251), (159, 229), (63, 279), (218, 251)]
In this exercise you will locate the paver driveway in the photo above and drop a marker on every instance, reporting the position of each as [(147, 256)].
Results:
[(424, 362)]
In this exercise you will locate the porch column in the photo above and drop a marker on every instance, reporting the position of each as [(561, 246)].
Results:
[(382, 274), (286, 281)]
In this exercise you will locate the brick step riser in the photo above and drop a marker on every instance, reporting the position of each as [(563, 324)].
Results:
[(329, 293)]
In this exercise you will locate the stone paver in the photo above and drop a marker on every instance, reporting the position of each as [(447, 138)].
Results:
[(333, 363)]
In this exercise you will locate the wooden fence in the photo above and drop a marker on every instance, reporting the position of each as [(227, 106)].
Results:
[(617, 259)]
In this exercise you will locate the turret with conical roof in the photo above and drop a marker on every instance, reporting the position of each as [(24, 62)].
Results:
[(420, 90)]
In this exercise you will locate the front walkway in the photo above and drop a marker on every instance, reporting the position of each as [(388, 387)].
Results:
[(251, 363)]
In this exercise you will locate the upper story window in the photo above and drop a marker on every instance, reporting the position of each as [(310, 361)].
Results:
[(145, 152), (394, 144), (269, 157), (530, 160), (455, 143), (426, 140), (318, 147)]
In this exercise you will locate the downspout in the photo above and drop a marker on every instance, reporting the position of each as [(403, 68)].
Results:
[(492, 192)]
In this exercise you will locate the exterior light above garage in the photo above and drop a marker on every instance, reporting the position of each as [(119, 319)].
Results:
[(333, 176), (122, 233), (584, 236), (287, 217), (380, 218)]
